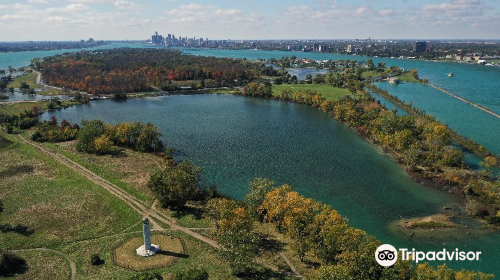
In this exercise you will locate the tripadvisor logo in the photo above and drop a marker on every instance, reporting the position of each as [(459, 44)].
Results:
[(386, 255)]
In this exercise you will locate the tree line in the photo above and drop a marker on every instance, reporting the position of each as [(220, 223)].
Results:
[(317, 233), (99, 137), (135, 70)]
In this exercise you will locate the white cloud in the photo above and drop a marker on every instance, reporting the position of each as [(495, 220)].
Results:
[(363, 10), (456, 8), (211, 13), (16, 6), (297, 13), (91, 1), (38, 1), (126, 5), (68, 8), (385, 13)]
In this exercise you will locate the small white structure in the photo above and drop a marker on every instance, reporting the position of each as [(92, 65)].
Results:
[(394, 81), (147, 249)]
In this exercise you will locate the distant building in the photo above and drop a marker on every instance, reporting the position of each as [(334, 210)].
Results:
[(157, 39), (420, 47)]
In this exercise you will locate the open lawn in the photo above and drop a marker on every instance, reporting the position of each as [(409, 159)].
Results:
[(127, 169), (17, 108), (329, 92), (43, 265), (408, 78), (29, 78), (47, 204)]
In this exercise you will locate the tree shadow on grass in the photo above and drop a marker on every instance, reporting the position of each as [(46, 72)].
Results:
[(196, 212), (19, 229), (260, 273), (267, 243), (11, 264), (15, 170), (118, 153), (173, 254)]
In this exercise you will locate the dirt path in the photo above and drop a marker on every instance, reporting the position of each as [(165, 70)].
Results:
[(290, 264), (71, 262), (133, 202)]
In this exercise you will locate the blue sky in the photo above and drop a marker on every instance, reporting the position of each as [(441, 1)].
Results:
[(249, 19)]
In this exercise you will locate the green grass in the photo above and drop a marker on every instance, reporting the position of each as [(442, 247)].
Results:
[(102, 169), (47, 203), (370, 74), (18, 108), (430, 224), (5, 143), (198, 254), (29, 78), (43, 265), (408, 78), (329, 92)]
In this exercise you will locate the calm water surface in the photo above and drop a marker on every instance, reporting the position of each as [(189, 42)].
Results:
[(236, 139)]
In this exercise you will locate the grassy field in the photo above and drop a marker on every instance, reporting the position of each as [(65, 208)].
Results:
[(43, 265), (408, 78), (329, 92), (129, 170), (197, 254), (47, 204), (17, 108), (5, 143), (29, 78)]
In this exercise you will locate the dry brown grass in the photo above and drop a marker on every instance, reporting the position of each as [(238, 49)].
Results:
[(171, 250), (132, 168)]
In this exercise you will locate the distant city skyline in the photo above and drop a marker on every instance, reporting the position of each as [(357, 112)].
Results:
[(40, 20)]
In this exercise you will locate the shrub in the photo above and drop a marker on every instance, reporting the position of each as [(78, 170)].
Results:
[(174, 185), (96, 260)]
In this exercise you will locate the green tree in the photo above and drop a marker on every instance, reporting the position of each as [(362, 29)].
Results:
[(330, 272), (259, 187), (103, 145), (174, 185), (452, 156), (92, 130), (239, 248), (149, 139)]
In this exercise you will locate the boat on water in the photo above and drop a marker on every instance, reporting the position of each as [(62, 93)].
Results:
[(451, 74)]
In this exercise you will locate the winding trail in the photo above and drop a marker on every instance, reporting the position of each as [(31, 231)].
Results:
[(466, 101), (71, 262)]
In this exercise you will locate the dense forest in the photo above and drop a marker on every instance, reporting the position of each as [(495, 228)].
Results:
[(135, 70)]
